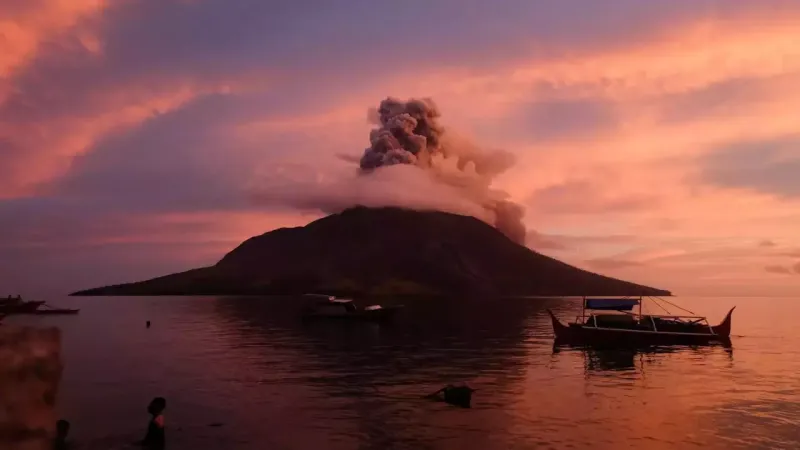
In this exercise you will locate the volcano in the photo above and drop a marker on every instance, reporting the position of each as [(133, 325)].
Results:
[(384, 251)]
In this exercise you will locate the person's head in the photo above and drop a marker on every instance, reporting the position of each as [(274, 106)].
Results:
[(62, 428), (157, 406)]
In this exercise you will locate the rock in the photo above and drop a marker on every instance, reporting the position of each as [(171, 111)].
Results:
[(30, 372)]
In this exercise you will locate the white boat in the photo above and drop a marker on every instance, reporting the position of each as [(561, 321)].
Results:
[(331, 307)]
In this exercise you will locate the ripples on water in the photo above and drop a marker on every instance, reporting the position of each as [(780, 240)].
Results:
[(266, 380)]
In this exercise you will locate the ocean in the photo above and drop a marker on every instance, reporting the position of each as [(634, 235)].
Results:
[(247, 373)]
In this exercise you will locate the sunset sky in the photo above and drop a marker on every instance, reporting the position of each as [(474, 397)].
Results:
[(657, 141)]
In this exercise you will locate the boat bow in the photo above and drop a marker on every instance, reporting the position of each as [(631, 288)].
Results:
[(559, 329), (724, 327)]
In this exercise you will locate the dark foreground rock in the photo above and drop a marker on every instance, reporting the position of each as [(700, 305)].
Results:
[(30, 371), (384, 251)]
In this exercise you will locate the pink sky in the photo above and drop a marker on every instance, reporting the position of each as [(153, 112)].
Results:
[(656, 141)]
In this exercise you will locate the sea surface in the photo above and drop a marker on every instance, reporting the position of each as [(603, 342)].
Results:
[(247, 373)]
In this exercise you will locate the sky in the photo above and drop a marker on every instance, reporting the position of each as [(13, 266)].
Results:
[(658, 142)]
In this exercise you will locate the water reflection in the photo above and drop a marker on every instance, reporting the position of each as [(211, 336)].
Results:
[(379, 373), (273, 381), (636, 359)]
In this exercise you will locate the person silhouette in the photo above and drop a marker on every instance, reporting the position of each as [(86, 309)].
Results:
[(62, 430), (155, 438)]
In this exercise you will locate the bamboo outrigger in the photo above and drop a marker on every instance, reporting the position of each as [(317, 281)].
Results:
[(634, 329)]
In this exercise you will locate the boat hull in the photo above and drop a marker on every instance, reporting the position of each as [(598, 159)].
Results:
[(20, 308), (55, 312), (382, 314), (578, 334)]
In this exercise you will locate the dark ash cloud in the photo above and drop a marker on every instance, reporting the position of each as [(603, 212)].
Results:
[(431, 168)]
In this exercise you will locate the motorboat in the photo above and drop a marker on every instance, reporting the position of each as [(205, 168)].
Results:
[(622, 327), (332, 307), (16, 305)]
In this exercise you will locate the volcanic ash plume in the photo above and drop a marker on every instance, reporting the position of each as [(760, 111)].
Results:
[(411, 163), (408, 133)]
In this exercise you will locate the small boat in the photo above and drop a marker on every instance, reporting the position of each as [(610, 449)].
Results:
[(331, 307), (55, 311), (629, 329), (15, 305)]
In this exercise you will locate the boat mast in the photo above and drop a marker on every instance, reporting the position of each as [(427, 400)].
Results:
[(641, 300), (583, 311)]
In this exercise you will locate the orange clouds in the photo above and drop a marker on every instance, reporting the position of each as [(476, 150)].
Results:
[(24, 28), (669, 100), (610, 139), (687, 57), (49, 147)]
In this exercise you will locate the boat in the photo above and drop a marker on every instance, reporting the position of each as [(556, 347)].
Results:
[(625, 328), (331, 307), (49, 311), (15, 305)]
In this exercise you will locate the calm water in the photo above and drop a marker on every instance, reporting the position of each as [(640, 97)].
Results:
[(266, 381)]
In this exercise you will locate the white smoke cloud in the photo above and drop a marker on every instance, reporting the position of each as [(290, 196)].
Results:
[(411, 163)]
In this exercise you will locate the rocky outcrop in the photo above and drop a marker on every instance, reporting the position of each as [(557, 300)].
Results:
[(30, 371)]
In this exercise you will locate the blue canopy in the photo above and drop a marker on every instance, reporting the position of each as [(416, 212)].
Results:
[(615, 304)]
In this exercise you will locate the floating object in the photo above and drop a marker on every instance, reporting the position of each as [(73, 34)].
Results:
[(148, 324), (629, 329), (454, 395), (330, 307), (18, 306)]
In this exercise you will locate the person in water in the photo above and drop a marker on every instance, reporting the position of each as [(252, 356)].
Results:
[(154, 439), (62, 430)]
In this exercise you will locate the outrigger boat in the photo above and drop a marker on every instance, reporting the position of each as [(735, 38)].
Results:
[(331, 307), (630, 329)]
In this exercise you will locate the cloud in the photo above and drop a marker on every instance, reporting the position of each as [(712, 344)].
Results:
[(721, 99), (586, 197), (611, 263), (796, 268), (777, 269), (567, 119), (28, 25), (767, 243), (182, 160), (769, 166), (539, 241), (117, 116)]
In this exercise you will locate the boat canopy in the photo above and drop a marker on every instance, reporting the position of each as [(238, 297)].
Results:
[(613, 304)]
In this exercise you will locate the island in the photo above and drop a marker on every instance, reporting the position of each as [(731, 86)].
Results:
[(384, 251)]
